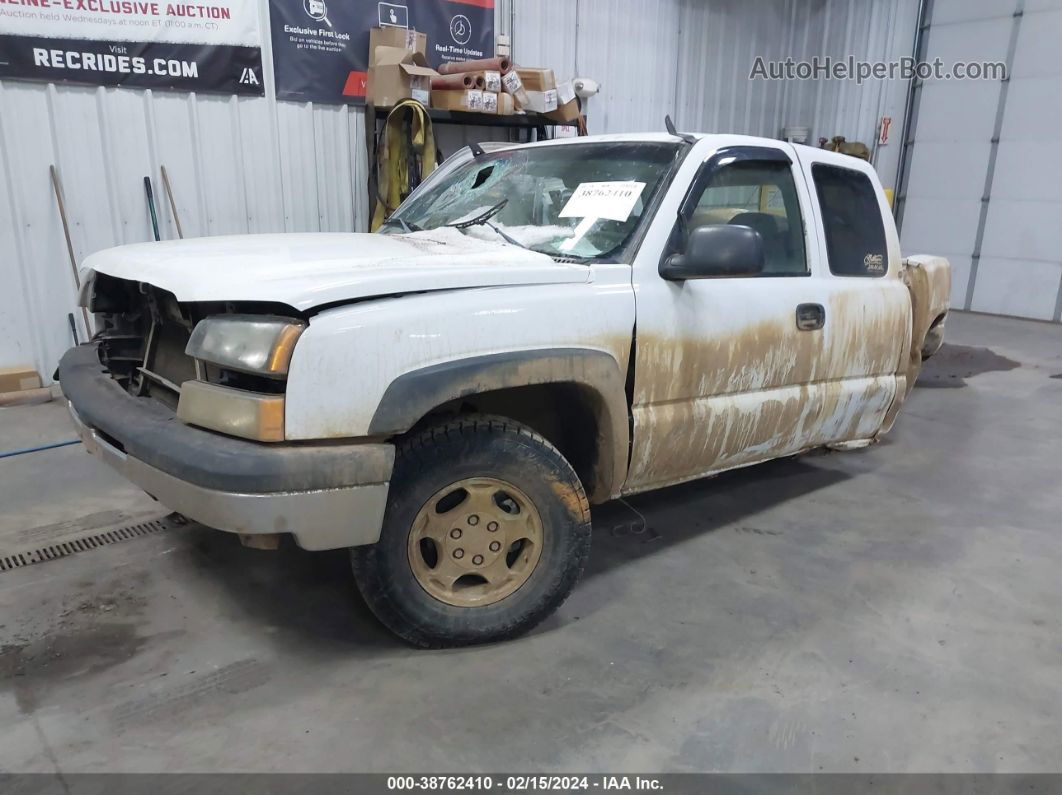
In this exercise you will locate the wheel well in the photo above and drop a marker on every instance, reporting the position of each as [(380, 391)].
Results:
[(571, 416)]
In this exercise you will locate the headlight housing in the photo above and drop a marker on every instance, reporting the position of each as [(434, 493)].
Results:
[(256, 344)]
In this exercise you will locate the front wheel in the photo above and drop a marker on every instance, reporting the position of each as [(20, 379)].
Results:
[(486, 532)]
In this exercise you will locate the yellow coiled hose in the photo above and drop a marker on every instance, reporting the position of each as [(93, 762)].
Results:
[(402, 150)]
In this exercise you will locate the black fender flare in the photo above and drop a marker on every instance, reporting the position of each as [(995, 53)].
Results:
[(413, 395)]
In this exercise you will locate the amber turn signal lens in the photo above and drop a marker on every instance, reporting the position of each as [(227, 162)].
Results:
[(236, 412)]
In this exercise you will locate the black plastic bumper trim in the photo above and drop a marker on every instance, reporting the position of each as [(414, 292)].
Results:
[(149, 431)]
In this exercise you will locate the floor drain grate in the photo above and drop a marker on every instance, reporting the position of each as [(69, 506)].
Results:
[(84, 544)]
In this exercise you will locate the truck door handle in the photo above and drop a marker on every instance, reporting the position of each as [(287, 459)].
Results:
[(810, 317)]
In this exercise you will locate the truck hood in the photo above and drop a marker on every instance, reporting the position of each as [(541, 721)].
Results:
[(309, 270)]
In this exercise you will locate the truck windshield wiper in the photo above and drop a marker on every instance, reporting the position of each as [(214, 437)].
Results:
[(484, 220), (407, 227), (483, 217)]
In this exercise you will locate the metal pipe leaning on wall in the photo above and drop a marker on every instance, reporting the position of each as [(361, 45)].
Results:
[(151, 208), (501, 64), (57, 187), (173, 204)]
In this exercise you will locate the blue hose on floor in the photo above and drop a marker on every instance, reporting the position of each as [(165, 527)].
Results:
[(11, 453)]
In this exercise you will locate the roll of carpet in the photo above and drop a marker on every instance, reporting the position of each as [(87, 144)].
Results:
[(489, 80), (456, 82), (500, 64)]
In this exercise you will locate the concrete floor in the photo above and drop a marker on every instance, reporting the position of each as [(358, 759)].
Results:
[(896, 609)]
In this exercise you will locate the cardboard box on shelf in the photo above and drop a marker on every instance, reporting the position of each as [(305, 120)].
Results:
[(490, 102), (396, 74), (567, 104), (406, 38), (506, 106), (471, 101), (511, 84), (402, 38), (535, 79), (16, 379), (540, 101)]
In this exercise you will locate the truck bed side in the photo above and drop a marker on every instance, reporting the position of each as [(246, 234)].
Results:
[(928, 279)]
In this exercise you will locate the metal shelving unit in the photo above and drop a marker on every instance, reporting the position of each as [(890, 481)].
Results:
[(533, 126)]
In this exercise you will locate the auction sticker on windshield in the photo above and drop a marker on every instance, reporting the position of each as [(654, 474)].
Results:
[(611, 200)]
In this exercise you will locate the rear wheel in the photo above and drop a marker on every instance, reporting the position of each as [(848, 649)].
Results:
[(486, 532)]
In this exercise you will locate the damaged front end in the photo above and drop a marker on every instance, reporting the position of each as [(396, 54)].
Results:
[(184, 414), (147, 342)]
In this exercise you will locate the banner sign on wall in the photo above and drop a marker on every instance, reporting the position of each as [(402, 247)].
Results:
[(209, 45), (321, 47)]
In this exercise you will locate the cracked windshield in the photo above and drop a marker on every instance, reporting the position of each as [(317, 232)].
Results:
[(573, 200)]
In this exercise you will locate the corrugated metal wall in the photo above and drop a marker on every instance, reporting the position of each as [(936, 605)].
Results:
[(692, 59), (255, 164)]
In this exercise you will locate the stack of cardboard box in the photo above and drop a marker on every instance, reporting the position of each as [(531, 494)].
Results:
[(397, 67), (536, 90), (568, 109), (539, 93), (485, 97), (398, 70)]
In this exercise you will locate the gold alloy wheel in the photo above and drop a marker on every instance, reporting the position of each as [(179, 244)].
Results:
[(475, 542)]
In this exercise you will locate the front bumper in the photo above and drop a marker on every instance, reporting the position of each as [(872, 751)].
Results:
[(328, 495)]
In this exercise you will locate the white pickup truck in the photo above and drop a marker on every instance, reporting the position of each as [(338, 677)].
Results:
[(537, 329)]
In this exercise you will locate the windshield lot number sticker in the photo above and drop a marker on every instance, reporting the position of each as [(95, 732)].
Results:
[(612, 200)]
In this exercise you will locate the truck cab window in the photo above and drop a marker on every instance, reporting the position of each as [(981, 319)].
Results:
[(760, 195), (851, 217)]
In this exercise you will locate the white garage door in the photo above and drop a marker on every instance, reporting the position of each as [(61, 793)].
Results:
[(984, 184)]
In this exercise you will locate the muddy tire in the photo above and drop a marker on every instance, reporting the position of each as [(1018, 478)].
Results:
[(486, 532)]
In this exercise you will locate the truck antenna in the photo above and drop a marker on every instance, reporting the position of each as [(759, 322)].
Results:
[(670, 125)]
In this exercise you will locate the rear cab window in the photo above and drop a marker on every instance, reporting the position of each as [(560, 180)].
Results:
[(851, 219)]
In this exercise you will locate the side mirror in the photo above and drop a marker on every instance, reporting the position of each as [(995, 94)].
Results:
[(717, 250)]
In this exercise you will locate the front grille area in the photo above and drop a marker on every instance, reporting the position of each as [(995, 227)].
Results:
[(142, 337), (143, 332)]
